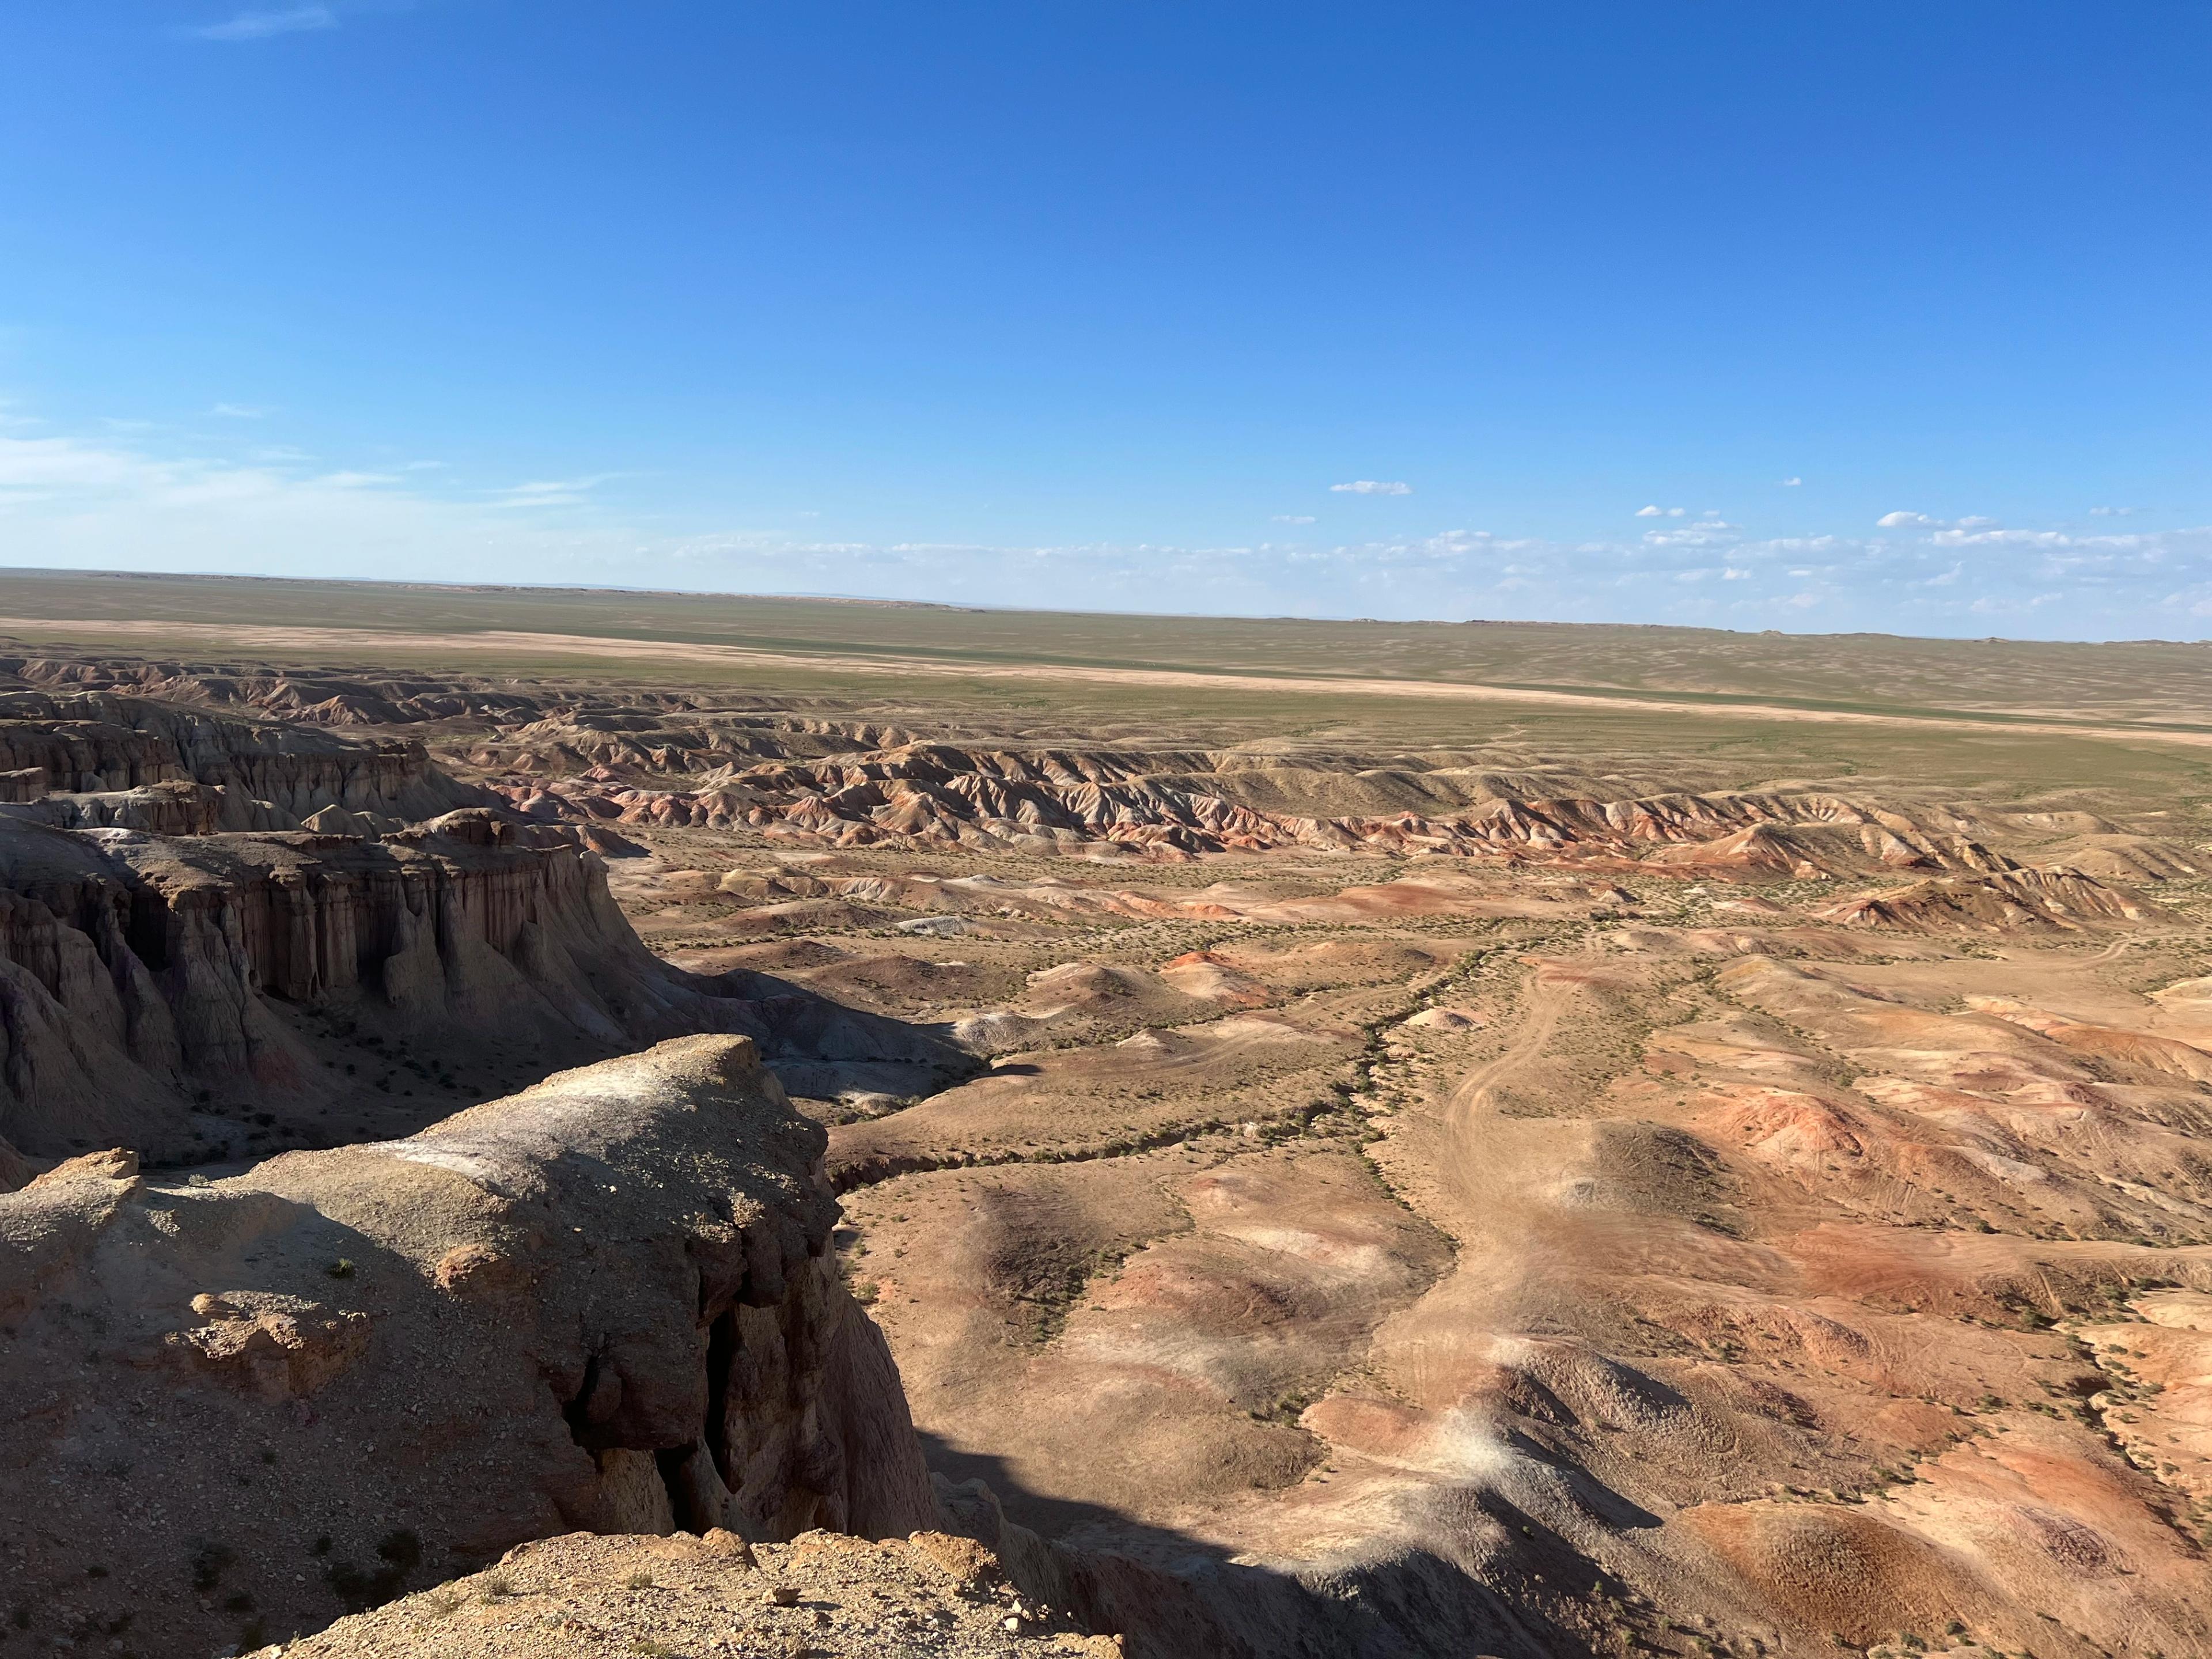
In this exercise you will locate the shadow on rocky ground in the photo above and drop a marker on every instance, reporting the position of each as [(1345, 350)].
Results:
[(1172, 1595)]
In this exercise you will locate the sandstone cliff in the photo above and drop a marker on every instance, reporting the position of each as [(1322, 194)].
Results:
[(239, 1409), (95, 760), (142, 977)]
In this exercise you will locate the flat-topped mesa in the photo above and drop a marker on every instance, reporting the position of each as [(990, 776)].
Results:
[(144, 975), (109, 761), (608, 1303)]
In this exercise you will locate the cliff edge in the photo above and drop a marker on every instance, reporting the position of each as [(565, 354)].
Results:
[(241, 1409)]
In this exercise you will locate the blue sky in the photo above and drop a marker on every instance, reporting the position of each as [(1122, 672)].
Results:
[(1888, 316)]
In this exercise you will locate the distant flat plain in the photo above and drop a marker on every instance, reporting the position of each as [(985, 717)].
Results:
[(2161, 683), (2134, 716)]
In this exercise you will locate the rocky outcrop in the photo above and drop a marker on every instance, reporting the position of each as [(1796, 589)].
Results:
[(314, 696), (2002, 900), (252, 774), (1173, 804), (247, 1407), (829, 1596), (138, 973), (526, 727)]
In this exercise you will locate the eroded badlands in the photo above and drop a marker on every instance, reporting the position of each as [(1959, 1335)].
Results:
[(1321, 1197)]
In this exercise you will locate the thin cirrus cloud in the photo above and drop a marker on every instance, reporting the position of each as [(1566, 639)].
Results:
[(237, 412), (261, 25), (1789, 483), (1923, 521), (1292, 518), (550, 492), (1372, 487), (1655, 511)]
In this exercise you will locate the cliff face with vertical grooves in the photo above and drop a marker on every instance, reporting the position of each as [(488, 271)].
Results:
[(142, 977), (93, 759), (606, 1302)]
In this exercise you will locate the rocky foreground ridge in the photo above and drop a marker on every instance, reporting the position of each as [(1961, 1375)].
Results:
[(825, 1594), (246, 1406)]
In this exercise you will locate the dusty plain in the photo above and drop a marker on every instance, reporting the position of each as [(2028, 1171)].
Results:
[(1687, 1144)]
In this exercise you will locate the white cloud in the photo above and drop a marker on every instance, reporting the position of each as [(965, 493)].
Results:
[(550, 492), (1451, 543), (1705, 532), (1922, 521), (1963, 537), (96, 501), (1372, 487), (1292, 518), (1653, 511), (260, 25), (2111, 512), (237, 412), (1791, 483)]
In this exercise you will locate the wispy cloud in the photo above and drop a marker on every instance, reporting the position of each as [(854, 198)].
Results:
[(1922, 521), (1372, 487), (1706, 532), (237, 412), (550, 492), (1655, 511), (99, 500), (1292, 518), (1789, 483), (260, 25)]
